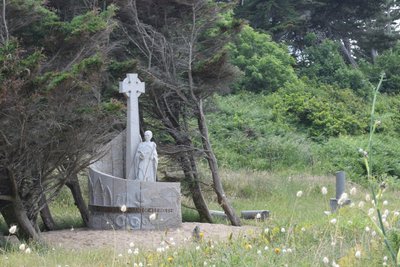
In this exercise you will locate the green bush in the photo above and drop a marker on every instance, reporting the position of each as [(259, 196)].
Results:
[(321, 110), (266, 65)]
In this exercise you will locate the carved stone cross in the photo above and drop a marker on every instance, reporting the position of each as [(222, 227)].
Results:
[(132, 87)]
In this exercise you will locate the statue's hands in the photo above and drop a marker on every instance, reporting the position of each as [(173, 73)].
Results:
[(141, 156)]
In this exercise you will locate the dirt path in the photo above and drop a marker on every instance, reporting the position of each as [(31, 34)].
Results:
[(83, 238)]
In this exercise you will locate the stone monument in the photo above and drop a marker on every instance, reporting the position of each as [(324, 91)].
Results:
[(123, 189)]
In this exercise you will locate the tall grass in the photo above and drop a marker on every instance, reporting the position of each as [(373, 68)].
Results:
[(299, 232)]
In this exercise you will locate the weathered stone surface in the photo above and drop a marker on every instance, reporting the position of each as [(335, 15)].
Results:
[(162, 201), (142, 199), (149, 205)]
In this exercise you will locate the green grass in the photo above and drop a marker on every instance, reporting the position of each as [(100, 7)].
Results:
[(307, 237)]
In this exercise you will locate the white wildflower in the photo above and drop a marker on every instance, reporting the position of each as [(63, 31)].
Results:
[(131, 244), (361, 204), (358, 254), (153, 216), (198, 247), (343, 198), (396, 213), (28, 251), (373, 233), (327, 212), (367, 229), (299, 193), (303, 229), (259, 252), (13, 229), (385, 258), (283, 230), (22, 247), (266, 248), (130, 251), (386, 212), (371, 211), (325, 260), (289, 250), (367, 197), (324, 190), (385, 203), (333, 221), (353, 191), (352, 205), (123, 208)]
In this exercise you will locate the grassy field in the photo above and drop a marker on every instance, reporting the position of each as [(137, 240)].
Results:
[(299, 232)]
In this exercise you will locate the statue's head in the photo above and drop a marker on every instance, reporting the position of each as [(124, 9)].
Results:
[(148, 135)]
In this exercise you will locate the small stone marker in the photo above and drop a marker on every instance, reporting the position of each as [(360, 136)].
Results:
[(253, 214), (340, 189)]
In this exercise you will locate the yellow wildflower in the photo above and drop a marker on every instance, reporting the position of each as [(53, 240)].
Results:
[(277, 251)]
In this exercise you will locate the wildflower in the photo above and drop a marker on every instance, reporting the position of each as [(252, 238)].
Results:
[(129, 251), (396, 213), (198, 247), (373, 233), (358, 254), (367, 229), (266, 248), (205, 263), (371, 211), (248, 246), (277, 251), (352, 205), (259, 252), (361, 204), (386, 212), (28, 251), (343, 199), (333, 243), (170, 259), (131, 244), (136, 251), (299, 194), (289, 250), (120, 255), (13, 229), (334, 264), (123, 208), (283, 230), (284, 250), (22, 247), (72, 229), (385, 203), (327, 212), (385, 258), (161, 249), (266, 230), (153, 216), (367, 197), (303, 229), (324, 190), (353, 191), (325, 260), (333, 221), (363, 152)]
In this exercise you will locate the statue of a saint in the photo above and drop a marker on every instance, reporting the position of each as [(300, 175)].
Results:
[(146, 159)]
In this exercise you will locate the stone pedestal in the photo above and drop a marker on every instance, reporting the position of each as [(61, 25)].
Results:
[(142, 199)]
